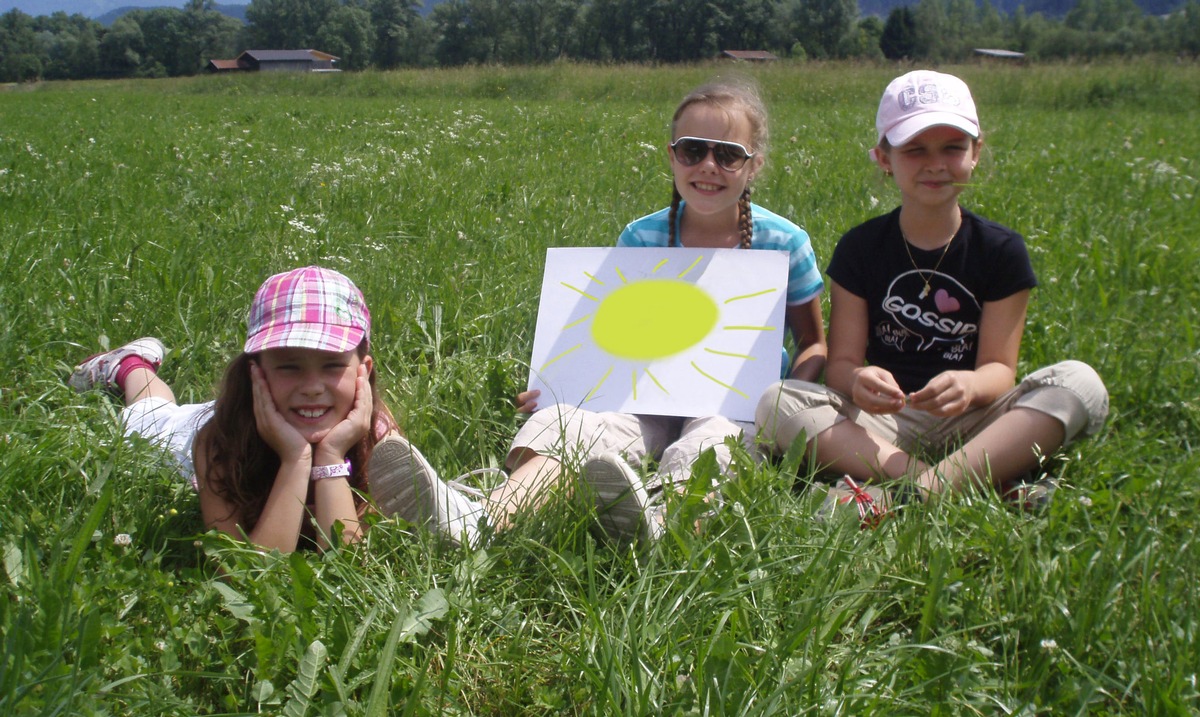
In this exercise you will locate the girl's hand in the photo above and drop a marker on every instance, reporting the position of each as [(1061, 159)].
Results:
[(281, 436), (526, 401), (334, 445), (947, 394), (875, 391)]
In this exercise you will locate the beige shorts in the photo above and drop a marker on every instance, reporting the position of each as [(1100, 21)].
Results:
[(1071, 392), (573, 435)]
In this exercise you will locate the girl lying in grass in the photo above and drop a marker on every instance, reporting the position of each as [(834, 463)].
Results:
[(281, 456)]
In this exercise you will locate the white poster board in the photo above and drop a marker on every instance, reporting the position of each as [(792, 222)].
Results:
[(675, 332)]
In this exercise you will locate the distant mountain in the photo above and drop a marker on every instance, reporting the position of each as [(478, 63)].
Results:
[(238, 12), (88, 8), (1049, 8), (106, 11)]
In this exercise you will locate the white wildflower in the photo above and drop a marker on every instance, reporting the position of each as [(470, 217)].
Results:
[(1049, 644), (297, 224), (123, 540), (1161, 167)]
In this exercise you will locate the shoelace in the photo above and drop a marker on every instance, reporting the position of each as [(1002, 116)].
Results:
[(458, 484), (869, 512)]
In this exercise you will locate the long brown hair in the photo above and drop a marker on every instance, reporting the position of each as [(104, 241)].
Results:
[(242, 467), (731, 97)]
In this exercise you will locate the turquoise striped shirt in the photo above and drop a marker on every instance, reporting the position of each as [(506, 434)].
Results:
[(771, 232)]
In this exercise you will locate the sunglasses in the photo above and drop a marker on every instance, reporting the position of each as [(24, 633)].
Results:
[(690, 151)]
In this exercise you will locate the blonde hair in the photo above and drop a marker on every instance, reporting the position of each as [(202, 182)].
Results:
[(732, 97)]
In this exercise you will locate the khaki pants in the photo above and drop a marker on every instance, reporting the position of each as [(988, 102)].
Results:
[(572, 434), (1071, 392)]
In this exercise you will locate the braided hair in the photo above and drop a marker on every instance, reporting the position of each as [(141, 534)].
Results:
[(731, 97)]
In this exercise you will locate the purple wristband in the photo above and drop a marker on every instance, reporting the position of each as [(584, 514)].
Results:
[(337, 470)]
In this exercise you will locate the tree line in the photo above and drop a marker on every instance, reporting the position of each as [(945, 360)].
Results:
[(386, 34)]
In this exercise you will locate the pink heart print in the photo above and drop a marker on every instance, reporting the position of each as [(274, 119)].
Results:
[(945, 302)]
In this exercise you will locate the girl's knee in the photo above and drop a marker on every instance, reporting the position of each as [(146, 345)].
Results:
[(790, 408), (1073, 392)]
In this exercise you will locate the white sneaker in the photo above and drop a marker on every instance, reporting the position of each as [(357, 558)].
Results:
[(100, 370), (404, 484), (624, 511)]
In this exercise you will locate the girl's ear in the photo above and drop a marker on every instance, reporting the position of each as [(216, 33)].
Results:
[(882, 159), (756, 163), (369, 363)]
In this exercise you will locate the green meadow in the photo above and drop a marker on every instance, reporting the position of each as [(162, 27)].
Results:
[(131, 208)]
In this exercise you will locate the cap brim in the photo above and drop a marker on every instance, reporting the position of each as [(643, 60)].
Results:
[(337, 339), (903, 132)]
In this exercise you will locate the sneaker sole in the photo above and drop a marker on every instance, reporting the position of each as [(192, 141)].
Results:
[(619, 503), (401, 482)]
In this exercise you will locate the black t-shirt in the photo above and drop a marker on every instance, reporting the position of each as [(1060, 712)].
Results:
[(916, 334)]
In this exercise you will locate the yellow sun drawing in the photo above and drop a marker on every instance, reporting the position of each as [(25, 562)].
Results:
[(683, 326)]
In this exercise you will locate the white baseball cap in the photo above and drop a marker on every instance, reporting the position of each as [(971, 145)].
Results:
[(921, 99)]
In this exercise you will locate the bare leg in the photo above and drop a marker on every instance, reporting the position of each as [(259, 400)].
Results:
[(1004, 450), (527, 488), (143, 383), (847, 447)]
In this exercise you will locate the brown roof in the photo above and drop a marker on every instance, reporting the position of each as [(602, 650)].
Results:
[(224, 65), (1012, 54), (754, 55), (287, 55)]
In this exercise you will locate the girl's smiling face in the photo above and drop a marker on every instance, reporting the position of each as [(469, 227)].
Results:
[(313, 390), (933, 167), (706, 187)]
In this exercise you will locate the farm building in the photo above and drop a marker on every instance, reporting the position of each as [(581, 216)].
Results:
[(277, 61), (749, 55), (999, 54)]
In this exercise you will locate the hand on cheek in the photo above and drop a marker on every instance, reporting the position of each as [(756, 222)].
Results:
[(337, 442), (272, 427)]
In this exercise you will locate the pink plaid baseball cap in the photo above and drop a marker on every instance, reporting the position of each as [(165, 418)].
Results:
[(309, 308), (921, 99)]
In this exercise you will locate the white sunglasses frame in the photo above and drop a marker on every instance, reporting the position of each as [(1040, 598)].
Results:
[(712, 145)]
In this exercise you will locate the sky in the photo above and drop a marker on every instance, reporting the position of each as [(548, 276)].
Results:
[(90, 8)]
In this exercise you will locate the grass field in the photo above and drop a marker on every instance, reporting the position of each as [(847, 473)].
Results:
[(157, 207)]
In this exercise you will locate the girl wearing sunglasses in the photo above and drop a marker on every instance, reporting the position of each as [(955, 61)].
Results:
[(718, 141)]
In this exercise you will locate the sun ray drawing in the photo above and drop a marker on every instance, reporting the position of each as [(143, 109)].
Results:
[(696, 331)]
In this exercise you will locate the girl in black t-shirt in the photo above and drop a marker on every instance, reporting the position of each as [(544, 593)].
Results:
[(927, 311)]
